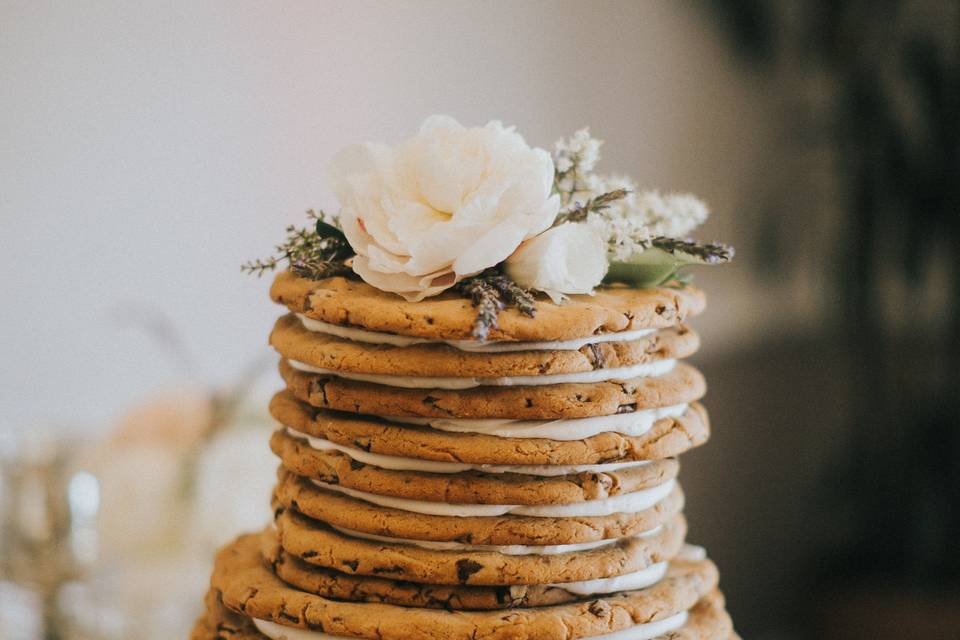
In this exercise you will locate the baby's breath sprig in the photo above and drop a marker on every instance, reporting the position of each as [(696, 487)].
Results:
[(574, 159), (316, 252), (490, 292)]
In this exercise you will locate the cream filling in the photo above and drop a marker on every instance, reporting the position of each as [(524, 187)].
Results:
[(644, 631), (377, 337), (632, 424), (618, 374), (398, 463), (509, 550), (633, 502), (641, 579), (693, 552)]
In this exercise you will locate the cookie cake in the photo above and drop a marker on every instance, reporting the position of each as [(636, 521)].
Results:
[(485, 401)]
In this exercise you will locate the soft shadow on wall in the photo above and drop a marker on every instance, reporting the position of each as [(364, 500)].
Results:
[(842, 497)]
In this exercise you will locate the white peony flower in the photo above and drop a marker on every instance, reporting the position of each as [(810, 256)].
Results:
[(568, 259), (442, 206)]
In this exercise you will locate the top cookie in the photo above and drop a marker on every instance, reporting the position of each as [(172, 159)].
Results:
[(450, 317)]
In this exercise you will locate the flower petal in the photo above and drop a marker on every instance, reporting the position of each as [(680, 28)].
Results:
[(489, 249), (413, 289), (568, 259)]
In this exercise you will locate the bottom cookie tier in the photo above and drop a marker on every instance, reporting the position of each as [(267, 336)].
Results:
[(247, 601)]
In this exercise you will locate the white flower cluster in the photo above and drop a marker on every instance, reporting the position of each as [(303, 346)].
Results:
[(673, 215), (629, 223), (577, 154)]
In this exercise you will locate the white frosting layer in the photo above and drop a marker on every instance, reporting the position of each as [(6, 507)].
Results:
[(645, 631), (627, 582), (509, 550), (693, 552), (377, 337), (642, 631), (618, 374), (632, 424), (398, 463), (626, 503)]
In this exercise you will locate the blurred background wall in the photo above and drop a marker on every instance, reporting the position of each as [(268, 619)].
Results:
[(147, 149)]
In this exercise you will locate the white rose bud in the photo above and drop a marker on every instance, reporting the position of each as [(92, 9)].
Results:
[(568, 259)]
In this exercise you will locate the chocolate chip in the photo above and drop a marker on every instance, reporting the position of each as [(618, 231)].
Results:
[(395, 569), (319, 386), (466, 568), (353, 564), (596, 356), (291, 618)]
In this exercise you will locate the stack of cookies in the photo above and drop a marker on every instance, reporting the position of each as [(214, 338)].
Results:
[(433, 486)]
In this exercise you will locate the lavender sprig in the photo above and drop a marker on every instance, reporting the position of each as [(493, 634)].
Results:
[(490, 292), (314, 252), (709, 253), (580, 211)]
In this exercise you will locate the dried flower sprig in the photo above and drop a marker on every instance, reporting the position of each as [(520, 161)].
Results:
[(580, 212), (645, 231), (574, 159), (709, 253), (490, 292), (661, 262), (316, 252)]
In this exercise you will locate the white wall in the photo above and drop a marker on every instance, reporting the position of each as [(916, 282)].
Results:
[(146, 149)]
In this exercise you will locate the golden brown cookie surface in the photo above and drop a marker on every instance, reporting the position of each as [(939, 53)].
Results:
[(249, 588), (334, 584), (317, 543), (667, 438), (708, 620), (219, 623), (294, 342), (540, 402), (450, 317), (299, 494), (467, 487)]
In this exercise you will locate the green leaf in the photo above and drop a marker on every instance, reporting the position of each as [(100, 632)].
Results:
[(327, 230), (661, 261), (648, 268)]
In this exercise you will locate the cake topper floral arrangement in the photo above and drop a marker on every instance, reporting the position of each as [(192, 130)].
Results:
[(478, 211)]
